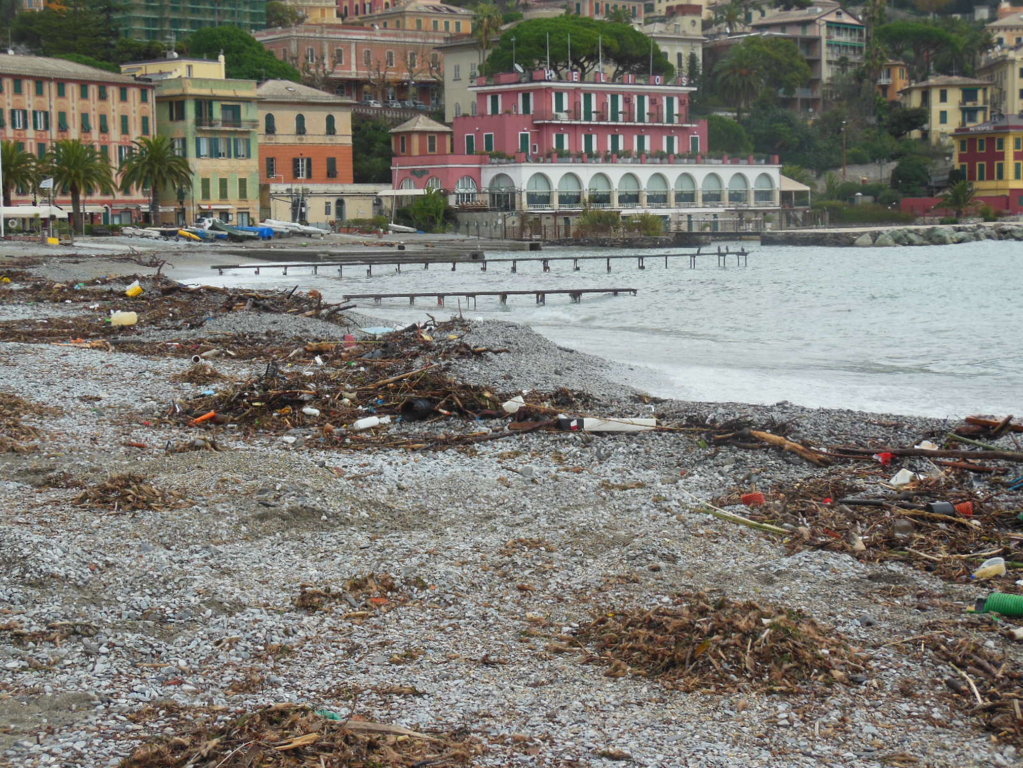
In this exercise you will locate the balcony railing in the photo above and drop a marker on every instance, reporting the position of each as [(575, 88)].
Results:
[(230, 125), (656, 116)]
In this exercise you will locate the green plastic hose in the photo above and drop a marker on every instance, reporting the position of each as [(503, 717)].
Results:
[(1007, 605)]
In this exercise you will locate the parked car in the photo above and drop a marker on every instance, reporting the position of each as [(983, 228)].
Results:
[(419, 105), (371, 103), (393, 104)]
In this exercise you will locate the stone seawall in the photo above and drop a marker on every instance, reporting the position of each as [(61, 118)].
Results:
[(895, 236)]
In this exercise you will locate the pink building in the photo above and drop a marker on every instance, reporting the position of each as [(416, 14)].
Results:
[(543, 145)]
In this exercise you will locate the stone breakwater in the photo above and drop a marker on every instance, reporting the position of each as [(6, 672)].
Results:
[(884, 238)]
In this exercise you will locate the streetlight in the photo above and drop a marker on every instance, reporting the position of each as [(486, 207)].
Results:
[(843, 150)]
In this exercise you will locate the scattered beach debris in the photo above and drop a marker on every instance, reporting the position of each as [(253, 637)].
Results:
[(15, 435), (128, 492), (705, 643)]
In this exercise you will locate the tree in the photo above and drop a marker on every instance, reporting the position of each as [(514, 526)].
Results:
[(246, 58), (155, 166), (619, 16), (89, 61), (903, 120), (79, 169), (20, 169), (959, 198), (577, 43), (735, 14), (912, 175), (429, 212), (486, 25), (371, 146), (726, 135), (84, 27), (760, 67), (915, 41), (280, 14)]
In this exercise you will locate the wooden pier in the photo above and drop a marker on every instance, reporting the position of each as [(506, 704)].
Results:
[(576, 294), (741, 259)]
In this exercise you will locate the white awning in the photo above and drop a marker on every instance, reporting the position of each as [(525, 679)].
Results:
[(217, 207), (400, 192), (791, 185), (31, 211), (95, 208)]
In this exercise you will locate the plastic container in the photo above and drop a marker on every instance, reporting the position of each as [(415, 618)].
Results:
[(369, 422), (941, 507), (123, 318), (965, 508), (903, 477), (989, 569), (513, 405), (605, 425), (754, 499), (134, 290), (999, 602)]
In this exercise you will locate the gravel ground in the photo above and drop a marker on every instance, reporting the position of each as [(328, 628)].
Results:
[(498, 549)]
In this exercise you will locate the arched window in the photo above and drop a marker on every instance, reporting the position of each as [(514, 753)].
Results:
[(628, 190), (570, 191), (657, 190), (685, 189), (465, 190), (331, 126), (433, 183), (712, 188), (502, 193), (340, 213), (407, 183), (269, 125), (763, 190), (300, 125), (738, 189), (538, 191), (599, 191)]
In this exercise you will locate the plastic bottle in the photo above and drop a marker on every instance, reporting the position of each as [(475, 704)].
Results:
[(587, 424), (123, 318), (995, 566), (369, 422), (134, 290)]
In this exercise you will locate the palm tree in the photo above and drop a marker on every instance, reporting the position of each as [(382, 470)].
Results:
[(739, 76), (79, 169), (20, 169), (486, 26), (960, 197), (154, 166)]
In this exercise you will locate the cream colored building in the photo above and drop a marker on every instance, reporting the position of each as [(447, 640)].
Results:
[(211, 121), (316, 11), (422, 17), (1007, 30), (951, 102), (1004, 68), (679, 37), (462, 60)]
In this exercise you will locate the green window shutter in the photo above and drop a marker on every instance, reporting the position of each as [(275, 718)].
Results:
[(145, 125), (102, 93), (145, 95), (124, 93), (61, 90), (124, 125), (103, 126)]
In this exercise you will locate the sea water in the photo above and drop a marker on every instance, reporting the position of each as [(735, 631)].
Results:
[(934, 330)]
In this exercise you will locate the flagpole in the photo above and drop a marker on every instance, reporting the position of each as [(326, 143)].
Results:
[(600, 53), (569, 51), (2, 201), (548, 50)]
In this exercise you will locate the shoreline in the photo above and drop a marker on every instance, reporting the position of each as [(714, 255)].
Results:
[(498, 549)]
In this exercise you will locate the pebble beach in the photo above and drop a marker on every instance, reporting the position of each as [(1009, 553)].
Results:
[(439, 576)]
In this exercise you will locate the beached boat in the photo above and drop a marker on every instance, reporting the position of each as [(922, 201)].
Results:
[(263, 233), (402, 228), (233, 233), (296, 229)]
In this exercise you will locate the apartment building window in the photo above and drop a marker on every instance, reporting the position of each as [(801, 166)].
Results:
[(326, 208), (435, 60), (561, 141), (962, 145), (145, 95), (999, 171), (86, 123), (1000, 145), (331, 126), (590, 143), (560, 101), (124, 125), (302, 167), (641, 144), (943, 95), (83, 91), (694, 145), (431, 144), (310, 55), (104, 125), (419, 24), (964, 170), (61, 90), (204, 189), (222, 188), (670, 145), (62, 121), (123, 93), (1017, 171), (981, 145), (41, 120), (435, 25), (123, 153), (447, 25), (495, 103), (269, 125), (243, 188), (339, 56), (271, 168), (526, 104), (488, 142), (176, 110), (981, 171), (41, 150), (470, 145), (102, 93), (402, 144), (943, 117), (104, 149), (458, 26), (413, 59), (367, 57), (1017, 143), (300, 124), (458, 109), (202, 146), (17, 86), (179, 146), (389, 58), (40, 87), (331, 167), (145, 125)]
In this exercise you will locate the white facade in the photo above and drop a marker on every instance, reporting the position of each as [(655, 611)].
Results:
[(632, 187)]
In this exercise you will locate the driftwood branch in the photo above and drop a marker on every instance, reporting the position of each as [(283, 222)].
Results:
[(814, 457)]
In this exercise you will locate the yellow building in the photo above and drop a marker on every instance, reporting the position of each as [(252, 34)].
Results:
[(212, 122), (894, 79), (951, 103), (315, 11), (1007, 30), (422, 17)]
